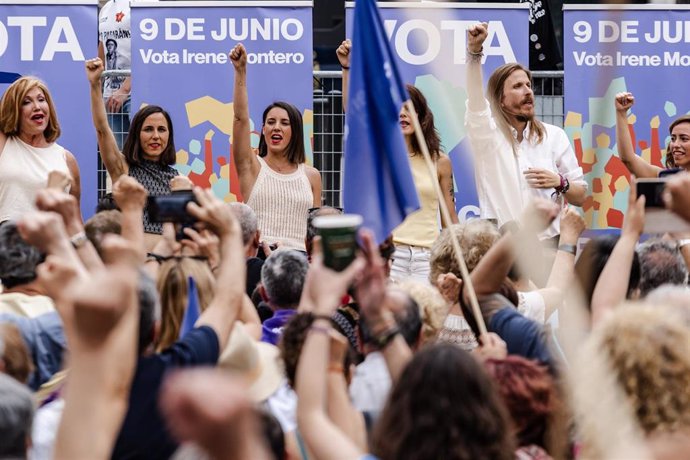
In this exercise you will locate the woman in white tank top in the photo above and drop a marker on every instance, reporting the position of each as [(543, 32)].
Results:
[(28, 152), (276, 183)]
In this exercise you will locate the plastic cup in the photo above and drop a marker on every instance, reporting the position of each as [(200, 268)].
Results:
[(338, 239)]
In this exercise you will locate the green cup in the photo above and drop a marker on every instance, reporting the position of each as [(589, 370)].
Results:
[(338, 239)]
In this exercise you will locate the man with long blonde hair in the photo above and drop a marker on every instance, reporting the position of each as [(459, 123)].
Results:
[(516, 156)]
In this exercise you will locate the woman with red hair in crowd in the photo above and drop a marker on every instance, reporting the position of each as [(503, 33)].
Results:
[(531, 397)]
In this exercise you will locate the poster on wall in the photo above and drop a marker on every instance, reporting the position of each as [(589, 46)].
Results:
[(49, 40), (429, 40), (642, 49), (180, 62)]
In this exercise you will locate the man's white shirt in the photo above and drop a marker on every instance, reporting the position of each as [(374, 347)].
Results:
[(502, 188)]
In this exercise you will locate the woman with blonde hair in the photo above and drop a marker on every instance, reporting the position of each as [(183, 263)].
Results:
[(633, 376), (29, 129), (173, 286)]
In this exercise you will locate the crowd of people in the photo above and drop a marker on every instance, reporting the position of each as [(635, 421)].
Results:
[(126, 337)]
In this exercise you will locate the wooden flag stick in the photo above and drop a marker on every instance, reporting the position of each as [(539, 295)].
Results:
[(445, 214)]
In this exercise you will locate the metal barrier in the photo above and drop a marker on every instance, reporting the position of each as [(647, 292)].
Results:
[(329, 122)]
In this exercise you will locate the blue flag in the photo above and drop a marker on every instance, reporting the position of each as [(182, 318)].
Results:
[(191, 313), (377, 181)]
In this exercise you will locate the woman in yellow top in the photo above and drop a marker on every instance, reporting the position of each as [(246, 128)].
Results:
[(414, 237)]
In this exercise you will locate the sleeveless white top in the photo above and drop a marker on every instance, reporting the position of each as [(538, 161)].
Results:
[(23, 171), (281, 203)]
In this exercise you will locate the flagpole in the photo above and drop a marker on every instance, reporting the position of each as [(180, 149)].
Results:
[(445, 214)]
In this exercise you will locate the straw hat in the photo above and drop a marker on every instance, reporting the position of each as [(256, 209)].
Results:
[(258, 362)]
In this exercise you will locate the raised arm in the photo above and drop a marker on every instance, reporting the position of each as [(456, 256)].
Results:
[(227, 300), (493, 268), (245, 160), (46, 231), (130, 197), (321, 294), (211, 408), (563, 268), (112, 158), (66, 206), (343, 53), (372, 298), (475, 41), (101, 320), (626, 149), (609, 291), (339, 405)]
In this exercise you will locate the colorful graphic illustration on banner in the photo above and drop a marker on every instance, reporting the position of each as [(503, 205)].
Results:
[(430, 43), (607, 52), (180, 62), (50, 42)]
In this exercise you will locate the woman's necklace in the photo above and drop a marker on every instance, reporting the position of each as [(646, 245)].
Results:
[(280, 169)]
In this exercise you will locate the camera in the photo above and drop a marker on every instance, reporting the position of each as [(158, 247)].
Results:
[(171, 208), (653, 191), (658, 219)]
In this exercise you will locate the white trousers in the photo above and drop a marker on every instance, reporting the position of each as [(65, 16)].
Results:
[(411, 263)]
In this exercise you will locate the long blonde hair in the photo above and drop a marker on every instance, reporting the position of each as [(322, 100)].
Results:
[(11, 108), (172, 287)]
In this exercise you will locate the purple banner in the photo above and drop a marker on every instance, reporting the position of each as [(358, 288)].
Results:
[(430, 42), (180, 62), (50, 41), (641, 49)]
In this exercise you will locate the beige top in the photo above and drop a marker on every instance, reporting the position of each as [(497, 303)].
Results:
[(421, 228), (281, 203), (24, 170), (29, 306)]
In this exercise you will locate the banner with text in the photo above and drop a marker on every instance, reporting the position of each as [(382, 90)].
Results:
[(640, 49), (430, 41), (50, 41), (180, 62)]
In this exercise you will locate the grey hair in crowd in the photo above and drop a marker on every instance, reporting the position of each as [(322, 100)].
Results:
[(18, 259), (16, 417), (247, 218), (674, 296), (282, 277), (660, 263)]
